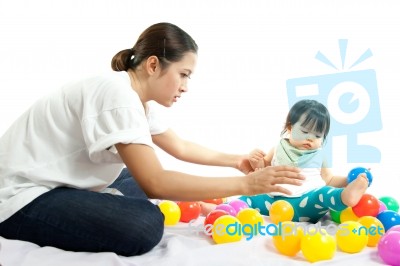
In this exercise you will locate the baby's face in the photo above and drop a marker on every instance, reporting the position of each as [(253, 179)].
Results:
[(305, 138)]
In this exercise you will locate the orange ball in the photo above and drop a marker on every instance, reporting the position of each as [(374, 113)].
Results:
[(214, 201), (374, 228), (281, 211), (189, 210)]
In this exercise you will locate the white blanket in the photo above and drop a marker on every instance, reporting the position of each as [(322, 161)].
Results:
[(179, 246)]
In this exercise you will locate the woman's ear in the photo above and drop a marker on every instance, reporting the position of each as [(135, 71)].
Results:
[(152, 64)]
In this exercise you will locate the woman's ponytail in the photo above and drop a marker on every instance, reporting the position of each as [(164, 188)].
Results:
[(122, 60)]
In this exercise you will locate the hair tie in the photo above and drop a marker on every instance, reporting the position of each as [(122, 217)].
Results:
[(132, 54)]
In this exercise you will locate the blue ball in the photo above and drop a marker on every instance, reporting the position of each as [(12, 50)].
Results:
[(353, 174), (389, 219)]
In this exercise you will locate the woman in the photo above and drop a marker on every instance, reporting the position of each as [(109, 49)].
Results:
[(73, 144)]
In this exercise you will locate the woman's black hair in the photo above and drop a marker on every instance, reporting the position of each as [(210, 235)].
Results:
[(166, 41)]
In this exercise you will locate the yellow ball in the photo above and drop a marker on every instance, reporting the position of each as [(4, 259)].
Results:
[(171, 211), (281, 211), (287, 242), (250, 220), (226, 229), (318, 245), (375, 229), (350, 238), (348, 215)]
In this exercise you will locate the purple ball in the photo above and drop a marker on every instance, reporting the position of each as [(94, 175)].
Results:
[(238, 205), (389, 248), (226, 207), (382, 207), (395, 228)]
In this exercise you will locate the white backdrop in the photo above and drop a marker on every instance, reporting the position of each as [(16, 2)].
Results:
[(237, 97)]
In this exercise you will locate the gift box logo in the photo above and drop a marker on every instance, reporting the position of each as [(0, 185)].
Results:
[(352, 100)]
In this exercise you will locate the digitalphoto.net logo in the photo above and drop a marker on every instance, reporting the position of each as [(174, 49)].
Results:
[(248, 231)]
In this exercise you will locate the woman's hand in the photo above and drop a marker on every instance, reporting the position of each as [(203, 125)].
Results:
[(268, 179), (243, 165)]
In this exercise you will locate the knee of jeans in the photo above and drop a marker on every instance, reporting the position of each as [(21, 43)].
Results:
[(149, 231)]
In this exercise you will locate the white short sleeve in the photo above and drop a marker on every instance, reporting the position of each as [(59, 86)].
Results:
[(121, 125), (156, 120), (113, 113)]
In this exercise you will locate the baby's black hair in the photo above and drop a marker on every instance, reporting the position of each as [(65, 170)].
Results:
[(314, 114)]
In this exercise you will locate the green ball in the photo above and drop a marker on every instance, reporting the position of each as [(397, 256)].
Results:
[(335, 216), (391, 203)]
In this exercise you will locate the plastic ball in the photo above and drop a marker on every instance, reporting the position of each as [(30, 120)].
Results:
[(250, 219), (352, 240), (226, 207), (238, 205), (382, 206), (288, 241), (374, 228), (348, 215), (367, 206), (214, 201), (389, 248), (210, 219), (391, 203), (394, 228), (318, 246), (335, 216), (226, 230), (189, 210), (389, 219), (281, 211), (171, 211), (355, 172)]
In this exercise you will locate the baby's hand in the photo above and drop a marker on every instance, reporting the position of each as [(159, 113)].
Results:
[(256, 159)]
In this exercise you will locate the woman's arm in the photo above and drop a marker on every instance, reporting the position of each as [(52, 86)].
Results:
[(191, 152), (157, 182)]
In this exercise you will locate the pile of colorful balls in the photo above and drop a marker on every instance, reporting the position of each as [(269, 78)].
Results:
[(373, 222)]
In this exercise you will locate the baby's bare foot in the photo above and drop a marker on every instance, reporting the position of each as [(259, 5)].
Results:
[(206, 208), (353, 192)]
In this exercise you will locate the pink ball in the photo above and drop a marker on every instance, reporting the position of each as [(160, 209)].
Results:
[(238, 205), (226, 207), (394, 228), (382, 206), (389, 248)]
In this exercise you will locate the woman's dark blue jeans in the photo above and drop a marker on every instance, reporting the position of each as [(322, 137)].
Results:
[(81, 220)]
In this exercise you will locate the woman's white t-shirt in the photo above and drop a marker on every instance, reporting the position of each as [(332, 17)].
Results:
[(67, 139)]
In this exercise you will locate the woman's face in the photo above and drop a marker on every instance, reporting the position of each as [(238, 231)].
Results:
[(169, 85)]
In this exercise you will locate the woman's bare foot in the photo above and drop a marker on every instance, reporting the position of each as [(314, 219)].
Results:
[(353, 192), (206, 208)]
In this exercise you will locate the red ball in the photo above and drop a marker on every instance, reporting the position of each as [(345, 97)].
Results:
[(210, 219), (367, 206), (189, 210), (214, 201)]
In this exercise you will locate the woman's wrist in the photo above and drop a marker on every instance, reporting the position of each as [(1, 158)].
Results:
[(243, 164)]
